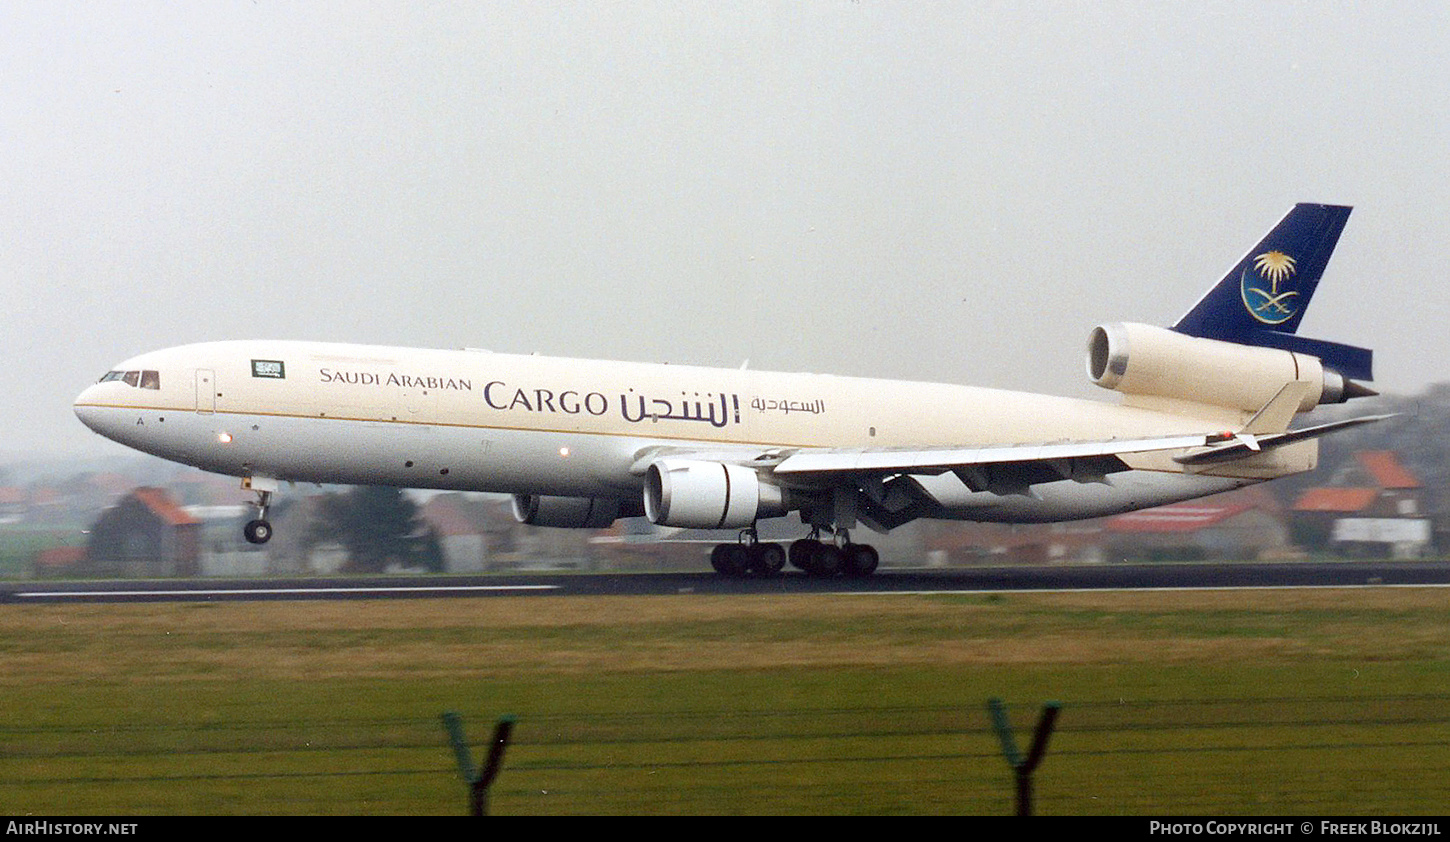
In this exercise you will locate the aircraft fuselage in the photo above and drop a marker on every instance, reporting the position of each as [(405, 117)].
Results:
[(480, 421)]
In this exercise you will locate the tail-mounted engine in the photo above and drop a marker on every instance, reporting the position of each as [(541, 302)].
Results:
[(708, 495), (1138, 359)]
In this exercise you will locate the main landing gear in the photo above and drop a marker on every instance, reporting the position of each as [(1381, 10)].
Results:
[(819, 558), (750, 557)]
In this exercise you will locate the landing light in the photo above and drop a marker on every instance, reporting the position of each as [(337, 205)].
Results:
[(224, 438), (564, 452)]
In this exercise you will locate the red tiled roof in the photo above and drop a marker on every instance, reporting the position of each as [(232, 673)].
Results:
[(1178, 517), (1329, 499), (1386, 469), (57, 558), (161, 504)]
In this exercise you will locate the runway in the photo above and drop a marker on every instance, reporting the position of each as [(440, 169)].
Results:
[(887, 580)]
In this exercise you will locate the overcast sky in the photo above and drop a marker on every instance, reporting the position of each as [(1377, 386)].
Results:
[(937, 191)]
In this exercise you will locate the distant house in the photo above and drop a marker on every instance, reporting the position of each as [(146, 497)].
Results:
[(1371, 506), (955, 543), (144, 534), (295, 548), (1241, 524), (59, 561), (1244, 524), (471, 529), (13, 504)]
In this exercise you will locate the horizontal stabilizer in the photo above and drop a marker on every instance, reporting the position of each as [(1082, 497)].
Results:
[(1349, 360)]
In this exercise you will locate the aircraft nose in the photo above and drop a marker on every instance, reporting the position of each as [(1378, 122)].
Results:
[(79, 406), (86, 408)]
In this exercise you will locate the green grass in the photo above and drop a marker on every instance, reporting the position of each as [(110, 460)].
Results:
[(1249, 703)]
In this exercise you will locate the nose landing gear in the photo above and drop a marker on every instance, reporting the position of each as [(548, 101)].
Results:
[(259, 530)]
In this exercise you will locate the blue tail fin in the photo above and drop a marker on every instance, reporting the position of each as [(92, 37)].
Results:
[(1263, 298)]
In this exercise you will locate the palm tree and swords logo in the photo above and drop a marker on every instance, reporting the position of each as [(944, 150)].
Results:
[(1260, 288)]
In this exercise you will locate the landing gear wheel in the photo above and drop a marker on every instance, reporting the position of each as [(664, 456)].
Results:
[(730, 559), (767, 559), (860, 560), (825, 560), (801, 551), (257, 531)]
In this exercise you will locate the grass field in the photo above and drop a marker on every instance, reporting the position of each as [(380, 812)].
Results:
[(1242, 703)]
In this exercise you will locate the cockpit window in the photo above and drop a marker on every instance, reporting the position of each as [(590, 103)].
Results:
[(147, 379)]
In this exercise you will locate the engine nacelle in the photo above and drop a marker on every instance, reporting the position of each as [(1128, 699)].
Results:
[(571, 512), (1138, 359), (708, 495)]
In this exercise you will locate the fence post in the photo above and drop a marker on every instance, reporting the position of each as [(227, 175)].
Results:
[(1023, 767), (478, 782)]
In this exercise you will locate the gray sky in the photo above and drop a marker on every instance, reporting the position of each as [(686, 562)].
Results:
[(935, 191)]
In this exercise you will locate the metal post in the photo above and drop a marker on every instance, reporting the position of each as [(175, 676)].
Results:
[(1023, 767), (478, 782)]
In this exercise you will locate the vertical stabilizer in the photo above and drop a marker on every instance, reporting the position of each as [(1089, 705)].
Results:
[(1262, 300)]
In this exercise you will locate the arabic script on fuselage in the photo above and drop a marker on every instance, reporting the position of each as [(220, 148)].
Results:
[(718, 409)]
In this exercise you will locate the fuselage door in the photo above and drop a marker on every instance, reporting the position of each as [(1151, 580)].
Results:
[(205, 391)]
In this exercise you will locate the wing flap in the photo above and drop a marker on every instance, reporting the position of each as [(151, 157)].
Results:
[(1019, 477)]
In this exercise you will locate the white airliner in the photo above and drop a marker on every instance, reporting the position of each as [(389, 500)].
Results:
[(1206, 407)]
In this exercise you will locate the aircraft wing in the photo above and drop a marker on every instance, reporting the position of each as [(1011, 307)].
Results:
[(887, 477), (1003, 469), (1078, 459), (1010, 469)]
